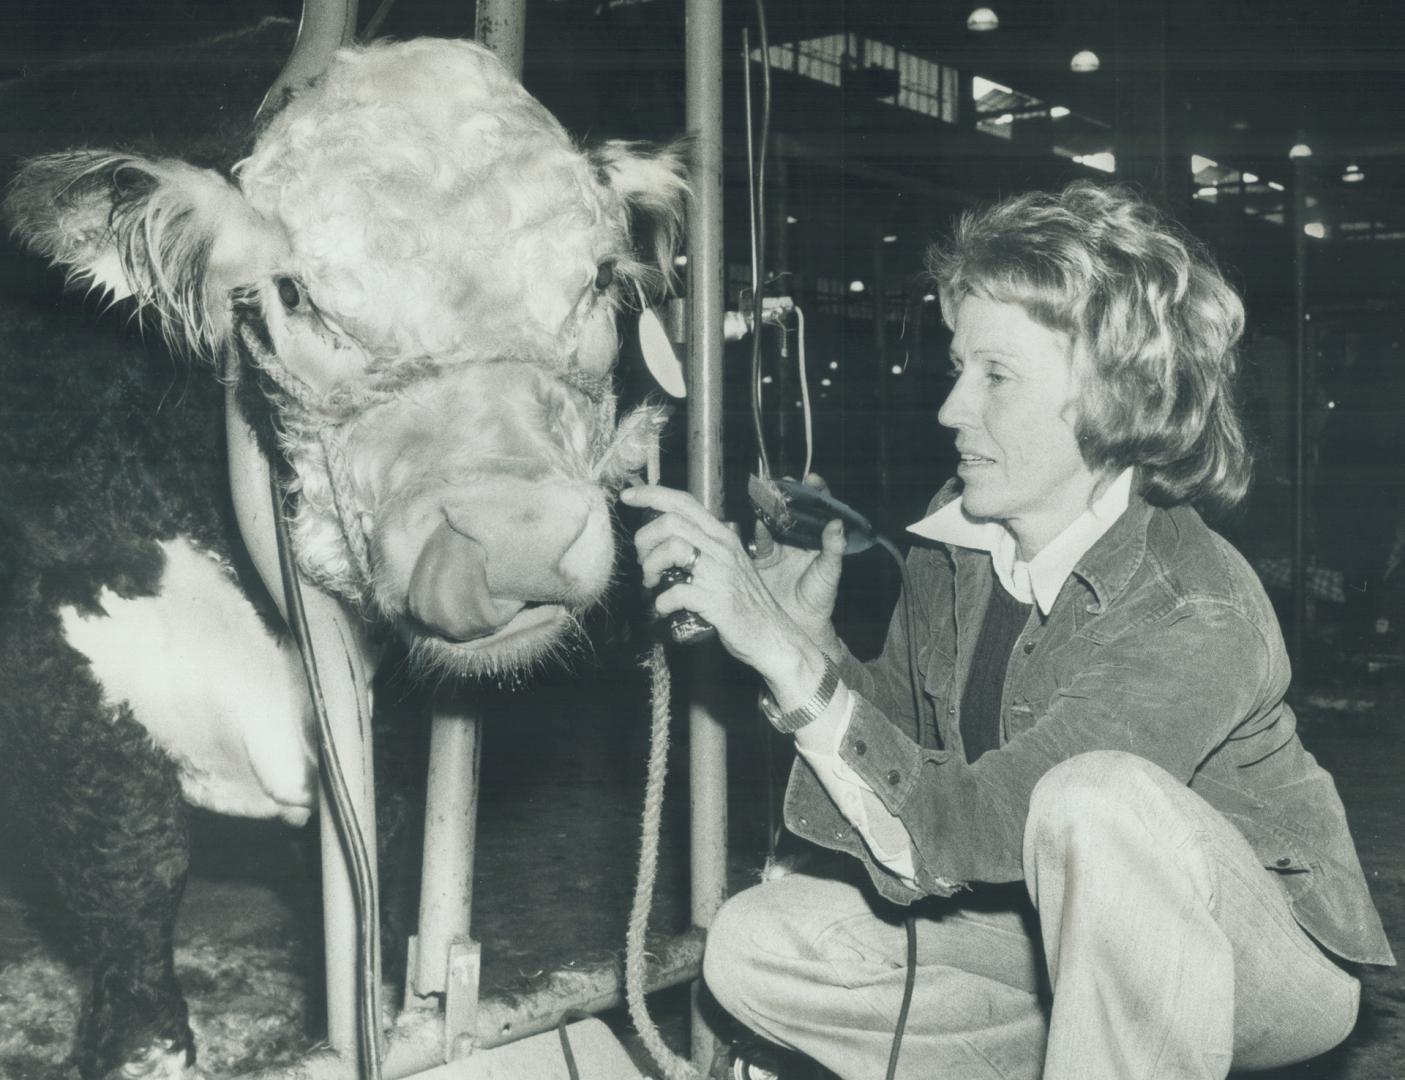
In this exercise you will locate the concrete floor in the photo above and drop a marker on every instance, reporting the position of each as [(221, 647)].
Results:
[(559, 829)]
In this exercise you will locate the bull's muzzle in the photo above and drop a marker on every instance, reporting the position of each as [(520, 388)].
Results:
[(483, 564)]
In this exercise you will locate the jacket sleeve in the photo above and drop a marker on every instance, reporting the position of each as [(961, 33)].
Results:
[(1169, 690)]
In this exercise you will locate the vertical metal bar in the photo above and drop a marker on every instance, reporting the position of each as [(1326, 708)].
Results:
[(707, 740), (451, 801), (885, 378), (450, 829), (1299, 629), (501, 25)]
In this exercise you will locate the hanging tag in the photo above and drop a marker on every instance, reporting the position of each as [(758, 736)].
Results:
[(659, 356)]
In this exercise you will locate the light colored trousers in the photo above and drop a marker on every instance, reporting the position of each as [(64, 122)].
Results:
[(1170, 952)]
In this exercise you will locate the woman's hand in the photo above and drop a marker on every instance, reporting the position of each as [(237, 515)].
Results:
[(726, 590), (804, 582)]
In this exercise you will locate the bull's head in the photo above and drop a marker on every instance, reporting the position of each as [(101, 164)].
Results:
[(421, 273)]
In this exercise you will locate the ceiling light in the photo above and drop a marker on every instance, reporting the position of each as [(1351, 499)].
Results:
[(1199, 163), (790, 219), (1209, 191), (1275, 185), (680, 260), (834, 365), (1315, 229), (896, 369), (982, 20), (927, 298), (891, 238), (1058, 112), (856, 286), (766, 380), (1250, 178), (1300, 150), (1353, 177), (1085, 61), (826, 382)]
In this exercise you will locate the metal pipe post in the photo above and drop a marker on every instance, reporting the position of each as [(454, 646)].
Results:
[(1300, 388), (451, 802), (501, 25), (345, 664), (450, 830), (707, 738)]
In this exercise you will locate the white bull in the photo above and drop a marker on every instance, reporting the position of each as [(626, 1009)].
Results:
[(414, 279)]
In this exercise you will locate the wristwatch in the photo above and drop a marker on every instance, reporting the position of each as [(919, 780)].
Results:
[(787, 723)]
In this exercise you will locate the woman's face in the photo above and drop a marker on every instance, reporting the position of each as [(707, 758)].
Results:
[(1013, 412)]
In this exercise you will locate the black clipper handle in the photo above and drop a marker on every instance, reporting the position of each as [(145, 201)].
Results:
[(683, 627)]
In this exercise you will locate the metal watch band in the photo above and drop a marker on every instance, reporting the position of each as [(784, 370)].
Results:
[(788, 723)]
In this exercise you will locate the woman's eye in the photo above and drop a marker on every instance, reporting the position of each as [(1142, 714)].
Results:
[(289, 292), (604, 276)]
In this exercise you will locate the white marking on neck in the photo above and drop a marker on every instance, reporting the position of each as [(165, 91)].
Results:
[(201, 672)]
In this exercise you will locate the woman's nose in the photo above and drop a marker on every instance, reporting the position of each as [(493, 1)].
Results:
[(955, 410)]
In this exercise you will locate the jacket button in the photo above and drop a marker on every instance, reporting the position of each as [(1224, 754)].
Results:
[(804, 821), (1285, 861), (860, 747), (1028, 646), (893, 777)]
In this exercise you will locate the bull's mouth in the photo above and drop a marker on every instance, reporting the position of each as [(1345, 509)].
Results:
[(537, 632)]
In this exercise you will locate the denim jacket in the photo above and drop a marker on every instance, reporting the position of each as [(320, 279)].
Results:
[(1162, 644)]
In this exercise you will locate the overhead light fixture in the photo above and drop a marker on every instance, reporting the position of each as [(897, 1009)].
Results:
[(1058, 112), (834, 365), (1199, 163), (891, 238), (680, 260), (856, 286), (928, 298), (1315, 229), (826, 382), (790, 219), (1250, 178), (896, 369), (1084, 62), (766, 380), (1353, 174), (982, 20), (1275, 185), (1300, 150), (1209, 191)]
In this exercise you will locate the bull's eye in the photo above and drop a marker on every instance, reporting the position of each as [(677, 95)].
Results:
[(289, 292), (604, 276)]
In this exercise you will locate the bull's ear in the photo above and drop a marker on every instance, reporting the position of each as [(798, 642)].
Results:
[(653, 182), (134, 227)]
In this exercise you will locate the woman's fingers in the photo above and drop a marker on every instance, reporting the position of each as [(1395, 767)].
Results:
[(671, 551), (679, 503)]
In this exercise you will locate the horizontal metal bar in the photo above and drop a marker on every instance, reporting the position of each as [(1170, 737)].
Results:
[(417, 1043)]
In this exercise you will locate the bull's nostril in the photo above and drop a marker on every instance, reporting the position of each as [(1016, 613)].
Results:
[(587, 560)]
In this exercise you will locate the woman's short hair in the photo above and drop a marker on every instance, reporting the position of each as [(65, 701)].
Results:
[(1153, 322)]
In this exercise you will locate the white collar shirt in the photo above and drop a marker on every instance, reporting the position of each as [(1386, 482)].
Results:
[(1039, 580)]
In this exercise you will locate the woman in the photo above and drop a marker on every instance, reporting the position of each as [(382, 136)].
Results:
[(1136, 870)]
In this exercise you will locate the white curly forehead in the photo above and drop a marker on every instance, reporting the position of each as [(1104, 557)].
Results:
[(433, 206)]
